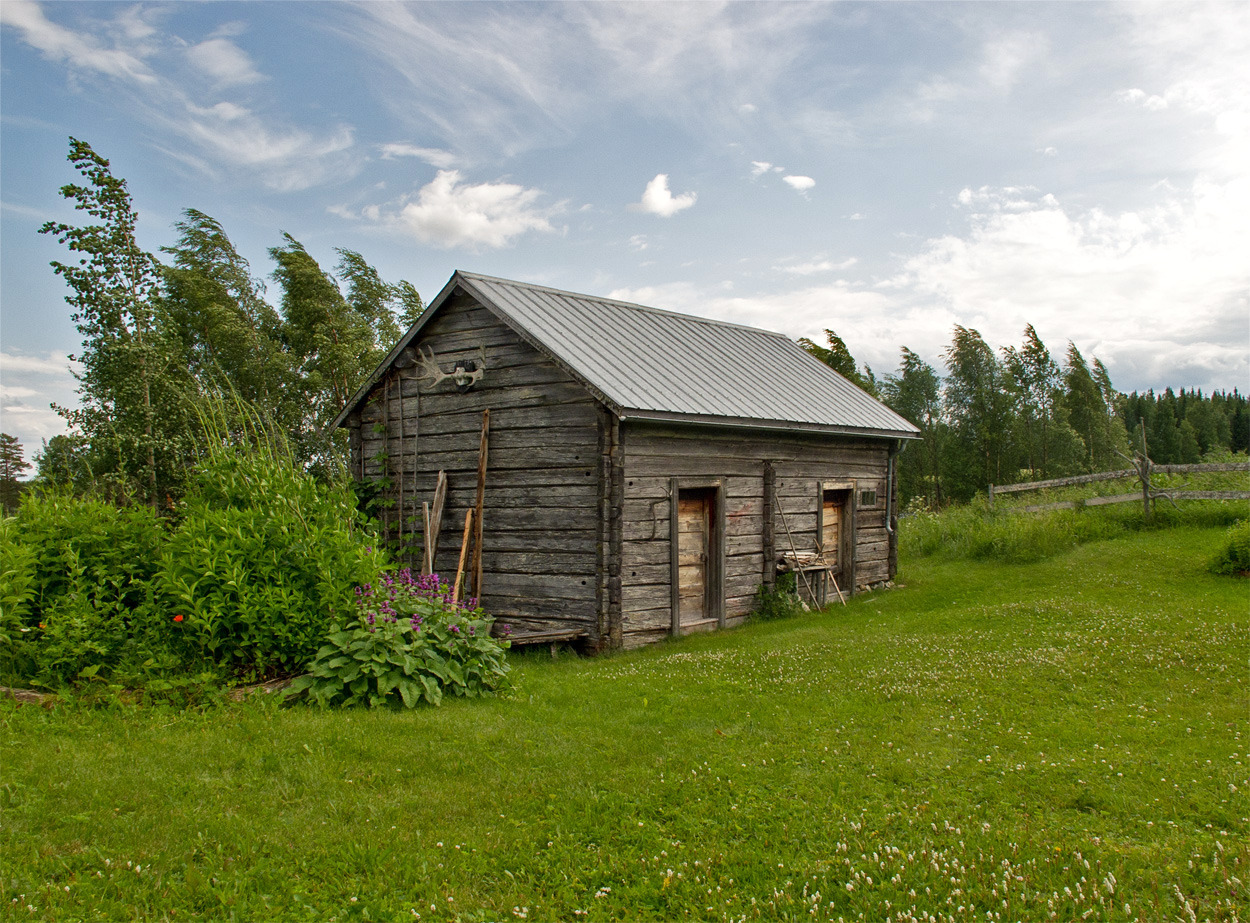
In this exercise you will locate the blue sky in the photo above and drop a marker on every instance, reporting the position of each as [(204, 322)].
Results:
[(887, 170)]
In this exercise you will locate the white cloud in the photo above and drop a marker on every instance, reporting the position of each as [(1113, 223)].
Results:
[(448, 213), (639, 242), (28, 386), (760, 167), (444, 160), (658, 200), (1141, 97), (748, 108), (286, 159), (799, 183), (83, 52), (224, 61), (1149, 290)]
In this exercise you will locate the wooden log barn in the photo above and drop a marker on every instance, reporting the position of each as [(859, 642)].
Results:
[(634, 473)]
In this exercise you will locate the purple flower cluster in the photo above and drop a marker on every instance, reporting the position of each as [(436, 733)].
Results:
[(393, 599)]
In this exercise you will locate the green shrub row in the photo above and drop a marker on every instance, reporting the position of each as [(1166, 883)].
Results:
[(261, 571), (244, 579)]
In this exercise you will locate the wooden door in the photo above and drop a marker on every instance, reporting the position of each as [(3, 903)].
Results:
[(832, 525), (694, 547)]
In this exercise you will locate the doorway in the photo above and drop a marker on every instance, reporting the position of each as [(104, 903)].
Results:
[(697, 538)]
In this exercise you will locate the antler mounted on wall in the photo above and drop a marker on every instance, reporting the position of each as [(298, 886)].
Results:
[(465, 373)]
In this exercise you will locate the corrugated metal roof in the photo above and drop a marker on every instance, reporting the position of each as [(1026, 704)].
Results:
[(659, 364)]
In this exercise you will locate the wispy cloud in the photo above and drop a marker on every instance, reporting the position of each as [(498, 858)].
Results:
[(223, 61), (444, 160), (657, 199), (79, 51), (532, 75), (161, 78), (799, 183)]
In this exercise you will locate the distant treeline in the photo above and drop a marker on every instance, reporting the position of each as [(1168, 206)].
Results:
[(1182, 428), (1019, 415)]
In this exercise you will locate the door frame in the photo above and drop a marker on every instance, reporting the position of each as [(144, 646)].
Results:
[(846, 536), (715, 578)]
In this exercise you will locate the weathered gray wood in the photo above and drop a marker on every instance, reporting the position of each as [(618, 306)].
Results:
[(769, 501), (468, 421), (1120, 474), (552, 586), (536, 541), (436, 516), (525, 636), (548, 610), (464, 547), (520, 623), (525, 458), (539, 560), (633, 640), (640, 553), (647, 596)]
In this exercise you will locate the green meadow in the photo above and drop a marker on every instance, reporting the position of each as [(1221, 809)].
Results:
[(1065, 739)]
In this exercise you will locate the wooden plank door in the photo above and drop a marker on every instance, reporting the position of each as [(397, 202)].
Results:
[(694, 531), (834, 502)]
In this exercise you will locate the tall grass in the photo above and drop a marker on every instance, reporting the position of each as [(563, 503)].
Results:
[(978, 532)]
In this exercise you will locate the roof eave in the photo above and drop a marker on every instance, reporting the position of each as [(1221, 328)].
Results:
[(784, 426)]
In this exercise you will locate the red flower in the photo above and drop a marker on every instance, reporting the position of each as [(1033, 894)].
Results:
[(177, 618)]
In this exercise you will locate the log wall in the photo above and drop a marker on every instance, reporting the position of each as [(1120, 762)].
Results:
[(542, 540), (751, 467)]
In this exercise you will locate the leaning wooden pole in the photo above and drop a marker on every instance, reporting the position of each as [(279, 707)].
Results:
[(476, 583), (435, 524), (464, 548), (795, 551)]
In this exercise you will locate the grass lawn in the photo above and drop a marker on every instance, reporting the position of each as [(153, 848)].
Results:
[(1064, 740)]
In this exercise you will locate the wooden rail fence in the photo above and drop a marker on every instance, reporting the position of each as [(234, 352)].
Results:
[(1147, 494)]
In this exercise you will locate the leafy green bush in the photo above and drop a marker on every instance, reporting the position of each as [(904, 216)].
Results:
[(780, 602), (408, 643), (1234, 557), (245, 576), (262, 563), (17, 581), (77, 595)]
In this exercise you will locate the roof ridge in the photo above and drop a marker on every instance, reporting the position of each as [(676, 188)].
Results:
[(643, 308)]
